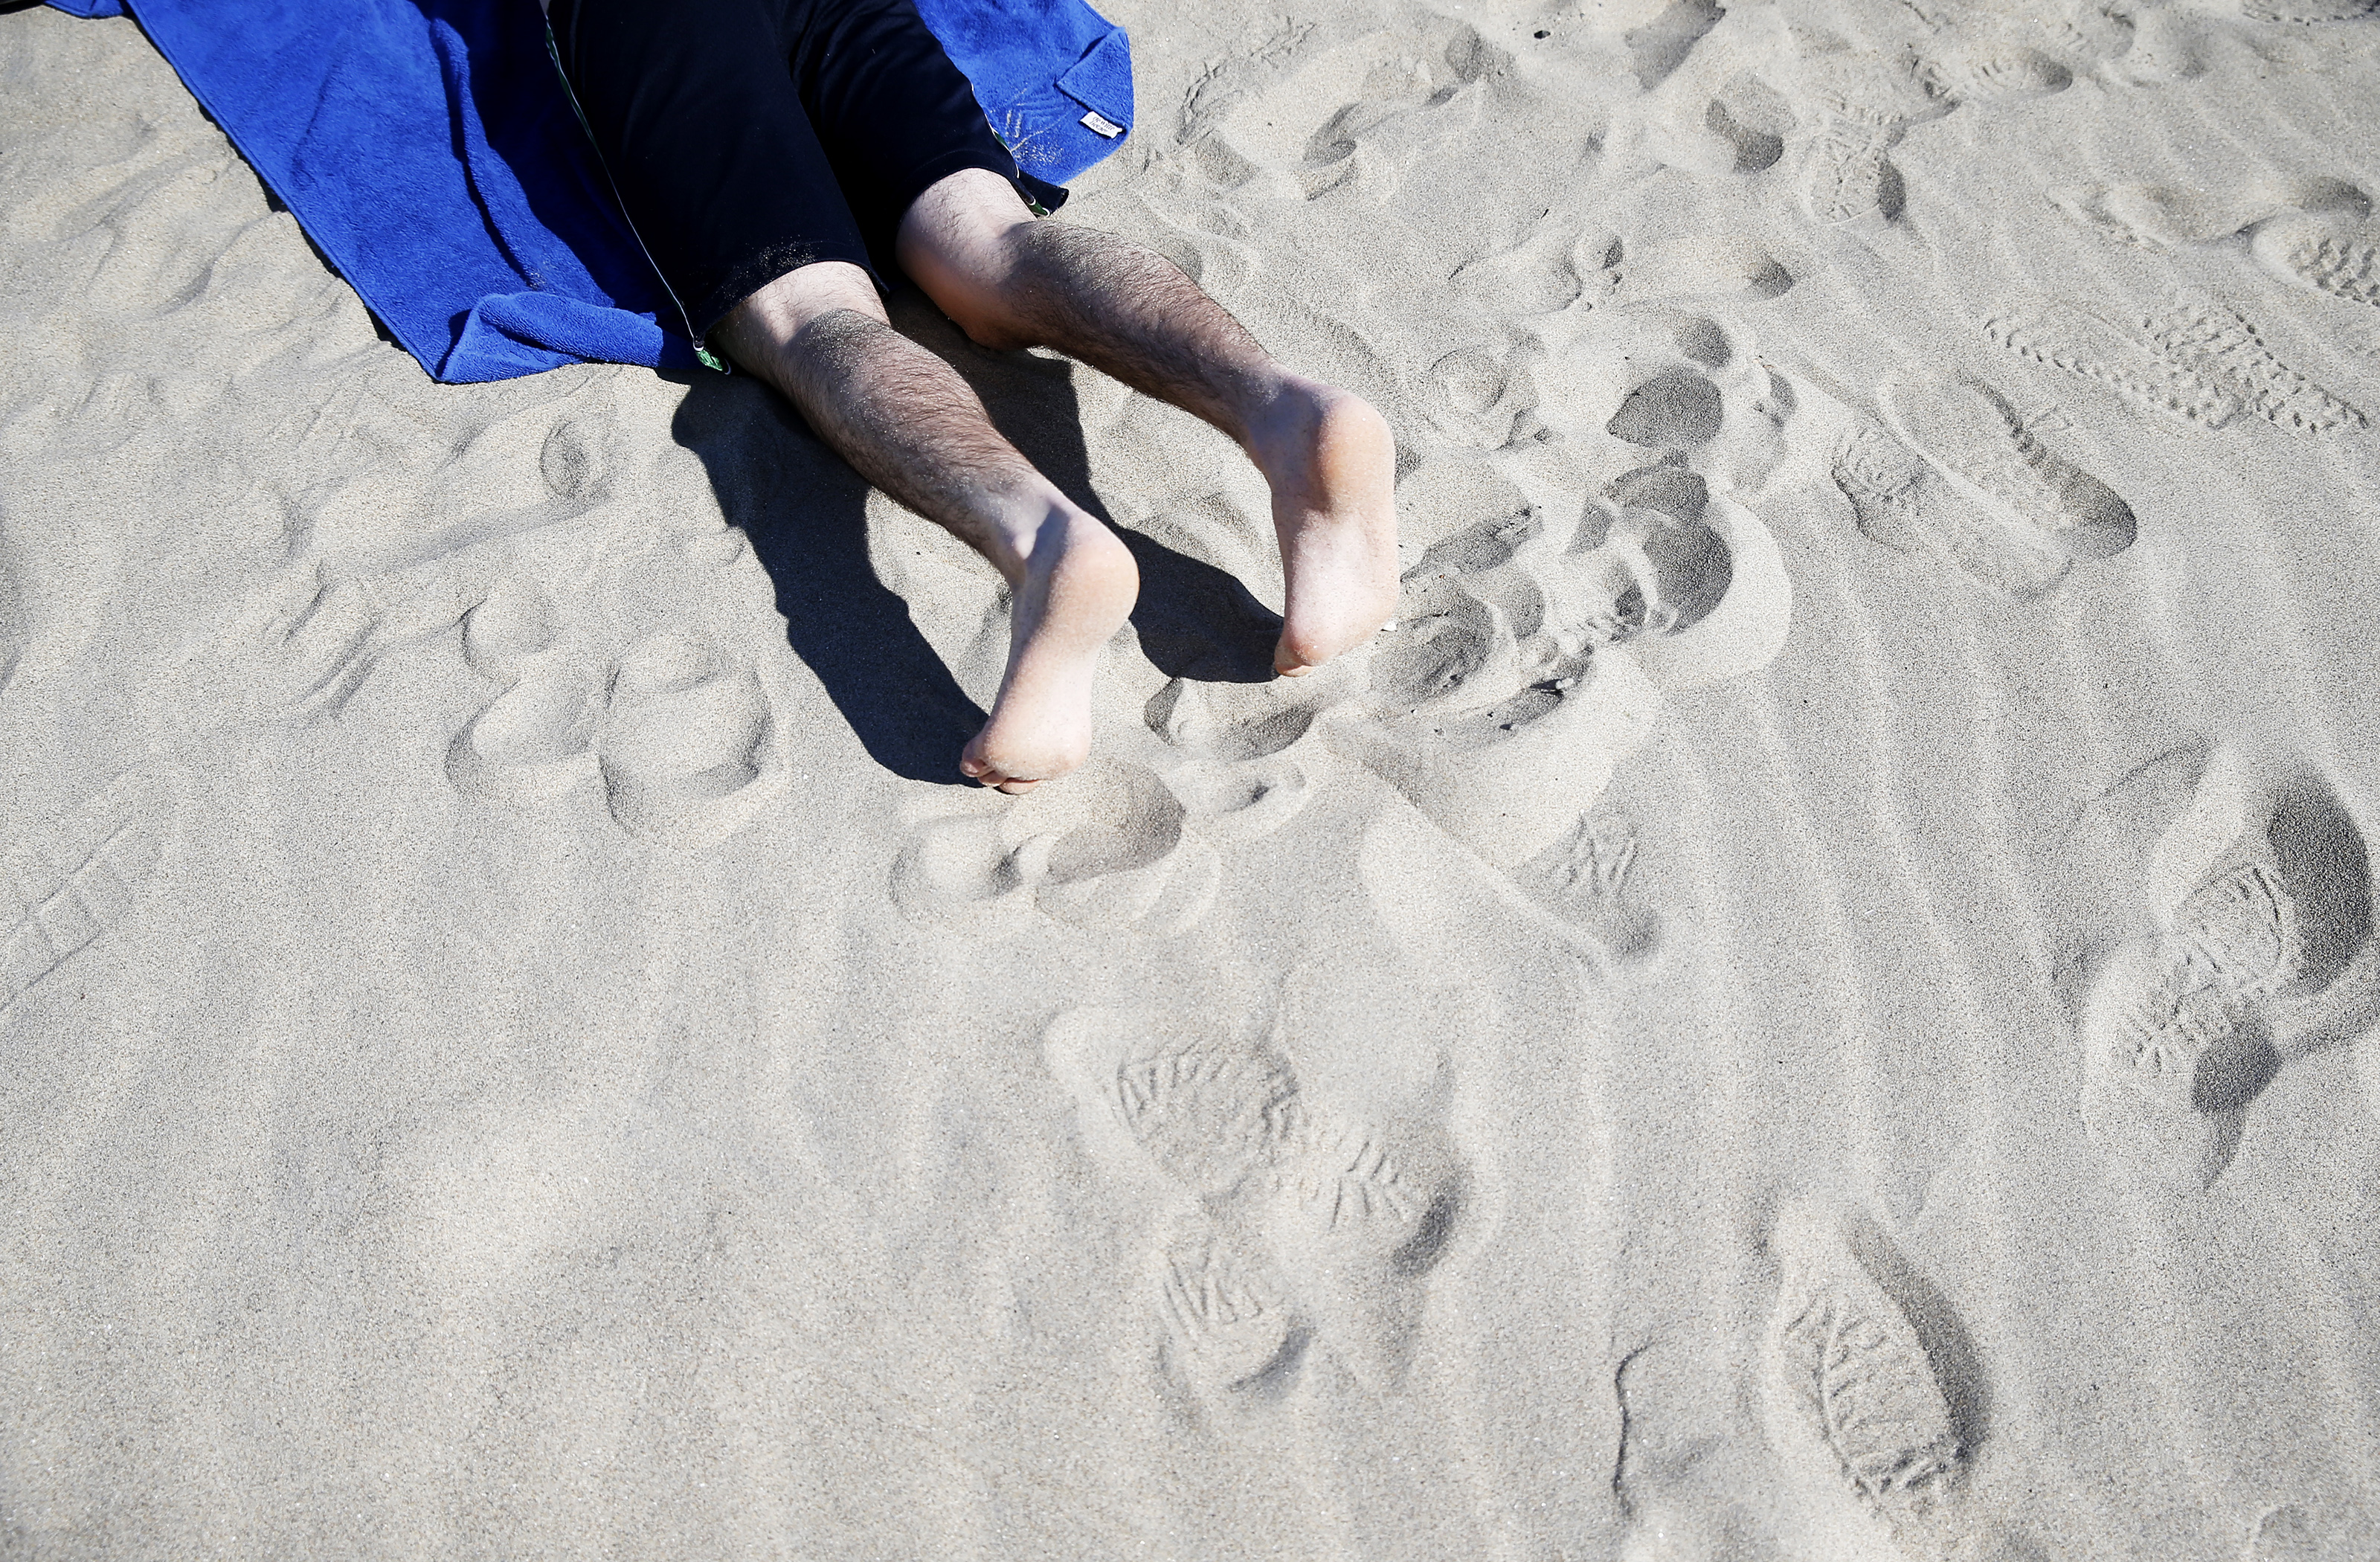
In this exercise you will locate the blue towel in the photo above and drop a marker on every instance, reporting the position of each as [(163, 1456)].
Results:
[(429, 149), (1047, 72)]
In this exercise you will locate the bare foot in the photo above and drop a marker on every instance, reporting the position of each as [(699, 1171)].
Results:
[(1071, 593), (1332, 463)]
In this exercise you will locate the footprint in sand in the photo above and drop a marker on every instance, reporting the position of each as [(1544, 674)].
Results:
[(1201, 1112), (1232, 1326), (296, 651), (1544, 273), (1980, 70), (533, 741), (679, 733), (1983, 54), (1900, 501), (1676, 408), (1483, 399), (1528, 650), (1662, 42), (1853, 1401), (67, 881), (1115, 848), (1293, 1232), (1854, 103), (1854, 98), (685, 744), (1532, 654), (2196, 359), (2292, 1534), (2260, 952), (1752, 117), (1589, 880), (2309, 13), (1713, 266), (2312, 233), (1995, 457), (1338, 108)]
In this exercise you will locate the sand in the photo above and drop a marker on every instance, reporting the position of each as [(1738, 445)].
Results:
[(513, 1044)]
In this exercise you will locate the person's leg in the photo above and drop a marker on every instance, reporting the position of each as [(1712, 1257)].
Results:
[(699, 110), (911, 426), (1011, 281)]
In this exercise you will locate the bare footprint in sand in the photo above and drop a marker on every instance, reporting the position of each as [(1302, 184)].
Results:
[(685, 749), (1493, 682), (1482, 397), (679, 735), (1852, 1401), (67, 881), (1534, 656), (1111, 846), (1708, 266), (2262, 951), (1544, 273)]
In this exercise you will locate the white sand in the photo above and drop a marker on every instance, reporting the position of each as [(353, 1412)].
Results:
[(511, 1048)]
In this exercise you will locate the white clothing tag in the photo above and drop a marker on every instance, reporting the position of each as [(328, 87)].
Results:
[(1101, 125)]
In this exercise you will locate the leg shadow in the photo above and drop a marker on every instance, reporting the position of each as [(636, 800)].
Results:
[(804, 510)]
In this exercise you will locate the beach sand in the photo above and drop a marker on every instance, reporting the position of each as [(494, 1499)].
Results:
[(514, 1044)]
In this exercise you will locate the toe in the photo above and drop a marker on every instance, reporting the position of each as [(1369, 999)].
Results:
[(984, 773)]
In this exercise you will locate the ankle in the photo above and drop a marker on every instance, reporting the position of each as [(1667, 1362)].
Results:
[(1283, 421), (1030, 528)]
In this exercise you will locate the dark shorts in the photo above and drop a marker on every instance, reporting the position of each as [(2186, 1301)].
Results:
[(749, 138)]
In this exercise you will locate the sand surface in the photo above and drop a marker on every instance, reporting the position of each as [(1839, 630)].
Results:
[(513, 1044)]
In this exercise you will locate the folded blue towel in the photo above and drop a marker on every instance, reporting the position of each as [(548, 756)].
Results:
[(427, 148)]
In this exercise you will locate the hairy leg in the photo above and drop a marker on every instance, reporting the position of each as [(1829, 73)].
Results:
[(911, 426), (1009, 281)]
